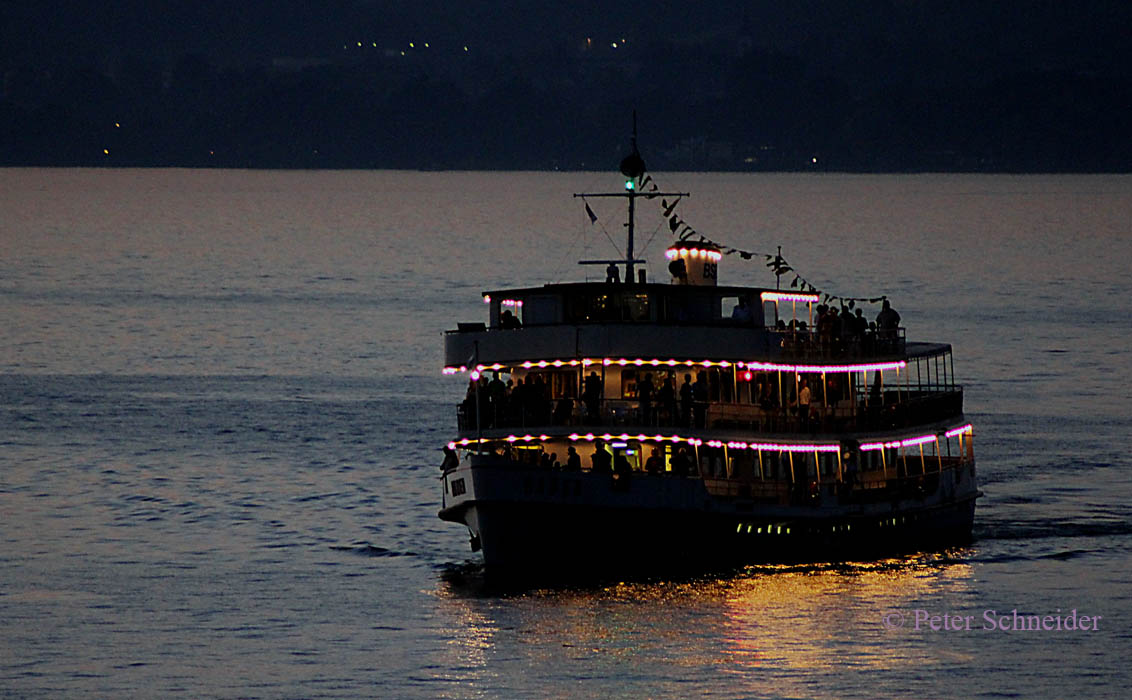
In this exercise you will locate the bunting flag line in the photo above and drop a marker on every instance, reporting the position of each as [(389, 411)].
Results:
[(776, 263)]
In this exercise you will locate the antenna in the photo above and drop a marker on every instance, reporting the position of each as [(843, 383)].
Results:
[(633, 168)]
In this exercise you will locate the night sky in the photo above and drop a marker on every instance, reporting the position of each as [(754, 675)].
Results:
[(890, 86)]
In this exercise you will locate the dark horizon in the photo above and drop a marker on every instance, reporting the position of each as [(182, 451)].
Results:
[(874, 87)]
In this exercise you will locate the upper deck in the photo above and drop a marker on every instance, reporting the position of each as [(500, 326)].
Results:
[(664, 321)]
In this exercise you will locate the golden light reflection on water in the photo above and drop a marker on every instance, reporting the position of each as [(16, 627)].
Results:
[(782, 621)]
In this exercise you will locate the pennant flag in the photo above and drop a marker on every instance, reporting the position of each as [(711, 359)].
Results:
[(674, 223), (669, 208), (591, 214), (744, 254)]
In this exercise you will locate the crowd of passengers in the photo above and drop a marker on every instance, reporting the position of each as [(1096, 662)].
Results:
[(840, 333), (659, 402), (601, 461), (617, 466)]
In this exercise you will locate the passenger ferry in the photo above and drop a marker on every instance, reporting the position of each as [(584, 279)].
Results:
[(637, 427)]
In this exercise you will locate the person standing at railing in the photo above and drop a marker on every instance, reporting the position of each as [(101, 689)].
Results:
[(700, 399), (888, 321), (573, 460), (687, 397), (591, 397), (804, 398), (601, 461), (666, 398), (644, 398)]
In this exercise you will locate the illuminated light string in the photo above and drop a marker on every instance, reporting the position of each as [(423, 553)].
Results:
[(673, 253), (753, 366), (777, 264), (504, 302), (731, 444), (789, 296), (920, 440)]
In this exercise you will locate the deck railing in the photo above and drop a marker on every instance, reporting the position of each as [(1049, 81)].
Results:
[(892, 410)]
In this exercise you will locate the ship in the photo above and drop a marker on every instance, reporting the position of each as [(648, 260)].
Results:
[(631, 427)]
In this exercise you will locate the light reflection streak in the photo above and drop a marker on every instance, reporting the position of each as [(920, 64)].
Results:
[(767, 630)]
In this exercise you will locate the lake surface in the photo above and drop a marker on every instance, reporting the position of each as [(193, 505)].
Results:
[(221, 413)]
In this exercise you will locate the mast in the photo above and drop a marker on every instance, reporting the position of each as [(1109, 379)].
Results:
[(633, 168)]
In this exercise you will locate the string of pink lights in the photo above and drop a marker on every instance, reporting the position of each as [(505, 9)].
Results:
[(751, 366), (966, 429)]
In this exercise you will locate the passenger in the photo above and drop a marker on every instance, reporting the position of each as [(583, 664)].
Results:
[(644, 398), (451, 460), (687, 397), (621, 468), (859, 328), (846, 326), (888, 321), (741, 312), (681, 463), (516, 402), (591, 397), (601, 461), (654, 465), (539, 405), (554, 463), (826, 330), (508, 320), (804, 397), (612, 274), (497, 398), (700, 398), (544, 461), (573, 460)]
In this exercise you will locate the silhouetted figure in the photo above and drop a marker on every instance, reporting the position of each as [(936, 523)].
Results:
[(612, 274), (508, 320), (888, 321), (622, 470), (644, 398), (591, 397), (451, 460), (654, 465), (497, 398), (741, 312), (700, 400), (573, 460), (687, 398), (601, 461), (681, 463)]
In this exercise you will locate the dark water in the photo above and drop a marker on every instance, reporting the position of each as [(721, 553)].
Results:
[(221, 409)]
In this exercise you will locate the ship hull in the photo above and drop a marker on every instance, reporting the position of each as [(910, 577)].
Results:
[(562, 525)]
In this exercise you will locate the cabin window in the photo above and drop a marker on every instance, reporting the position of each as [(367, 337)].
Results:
[(559, 384), (689, 308), (622, 306), (540, 310), (636, 307)]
